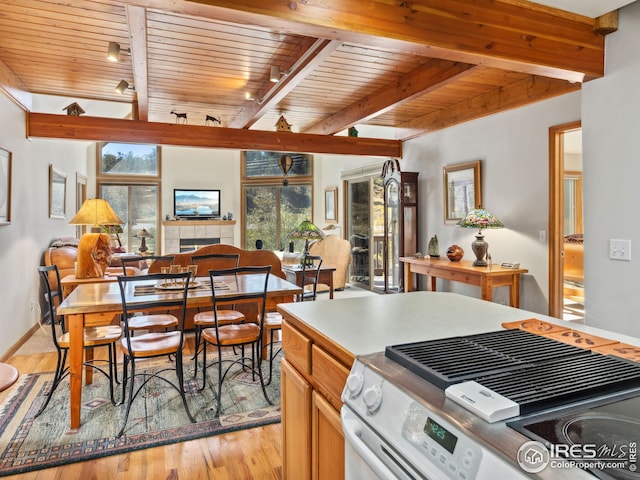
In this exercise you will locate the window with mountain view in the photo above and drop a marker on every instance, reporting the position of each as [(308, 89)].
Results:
[(272, 207), (129, 178)]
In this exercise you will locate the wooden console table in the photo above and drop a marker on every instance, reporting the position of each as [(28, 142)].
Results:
[(484, 277)]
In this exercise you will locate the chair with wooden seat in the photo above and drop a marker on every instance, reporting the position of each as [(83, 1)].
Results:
[(272, 323), (146, 321), (101, 336), (246, 334), (205, 319), (310, 273), (138, 294)]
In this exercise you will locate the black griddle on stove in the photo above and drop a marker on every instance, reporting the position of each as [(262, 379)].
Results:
[(532, 370)]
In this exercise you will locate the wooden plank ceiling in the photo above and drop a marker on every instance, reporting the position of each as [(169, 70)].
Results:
[(416, 66)]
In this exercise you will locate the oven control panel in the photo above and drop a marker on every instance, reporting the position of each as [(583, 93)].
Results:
[(410, 432), (422, 438), (441, 443)]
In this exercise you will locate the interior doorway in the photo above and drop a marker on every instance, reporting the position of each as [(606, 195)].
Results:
[(566, 235)]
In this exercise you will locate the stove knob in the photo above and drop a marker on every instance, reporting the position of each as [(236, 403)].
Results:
[(372, 398), (355, 381)]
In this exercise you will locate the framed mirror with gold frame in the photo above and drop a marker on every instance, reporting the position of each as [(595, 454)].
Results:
[(462, 191)]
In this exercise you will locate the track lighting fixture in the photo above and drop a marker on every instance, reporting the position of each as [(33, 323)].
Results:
[(253, 97), (122, 86), (113, 53), (275, 74)]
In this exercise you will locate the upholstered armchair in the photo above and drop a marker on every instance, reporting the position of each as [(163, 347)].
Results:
[(335, 252)]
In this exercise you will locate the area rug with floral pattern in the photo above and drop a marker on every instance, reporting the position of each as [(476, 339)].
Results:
[(157, 418)]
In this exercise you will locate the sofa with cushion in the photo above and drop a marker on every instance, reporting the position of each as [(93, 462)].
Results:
[(335, 252)]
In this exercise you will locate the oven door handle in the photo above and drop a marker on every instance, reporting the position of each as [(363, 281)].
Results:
[(353, 430)]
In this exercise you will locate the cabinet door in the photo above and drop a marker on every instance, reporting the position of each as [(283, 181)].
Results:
[(328, 441), (296, 424)]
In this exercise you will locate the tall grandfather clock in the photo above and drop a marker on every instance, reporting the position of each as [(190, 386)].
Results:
[(400, 224)]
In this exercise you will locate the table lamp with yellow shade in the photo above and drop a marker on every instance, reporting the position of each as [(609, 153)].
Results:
[(94, 252)]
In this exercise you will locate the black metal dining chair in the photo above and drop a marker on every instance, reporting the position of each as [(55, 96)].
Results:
[(246, 334), (99, 336), (310, 273), (144, 293), (205, 319), (150, 321)]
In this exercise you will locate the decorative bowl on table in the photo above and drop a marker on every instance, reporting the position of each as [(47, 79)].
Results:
[(455, 253)]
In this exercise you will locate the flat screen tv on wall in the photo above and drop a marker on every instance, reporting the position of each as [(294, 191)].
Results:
[(193, 203)]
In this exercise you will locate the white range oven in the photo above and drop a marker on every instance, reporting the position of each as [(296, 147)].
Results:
[(488, 406)]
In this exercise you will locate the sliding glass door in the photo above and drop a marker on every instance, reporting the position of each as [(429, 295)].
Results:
[(365, 231)]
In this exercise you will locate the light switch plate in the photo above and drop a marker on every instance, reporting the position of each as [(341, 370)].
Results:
[(619, 249)]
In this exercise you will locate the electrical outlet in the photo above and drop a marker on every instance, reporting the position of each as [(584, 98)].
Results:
[(542, 235), (619, 249)]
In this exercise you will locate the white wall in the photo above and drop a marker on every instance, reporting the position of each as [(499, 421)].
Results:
[(513, 148), (23, 242), (185, 167), (611, 160)]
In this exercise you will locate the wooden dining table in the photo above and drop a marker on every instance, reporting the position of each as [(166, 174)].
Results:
[(93, 304)]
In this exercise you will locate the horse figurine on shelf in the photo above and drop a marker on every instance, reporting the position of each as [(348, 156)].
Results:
[(180, 116), (210, 118)]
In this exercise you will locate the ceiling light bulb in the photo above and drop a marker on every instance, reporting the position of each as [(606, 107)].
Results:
[(275, 74), (122, 86), (113, 53)]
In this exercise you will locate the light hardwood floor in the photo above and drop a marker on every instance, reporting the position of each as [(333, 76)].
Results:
[(246, 454)]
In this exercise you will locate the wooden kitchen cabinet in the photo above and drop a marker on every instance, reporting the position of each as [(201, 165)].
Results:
[(296, 423), (313, 374), (327, 442)]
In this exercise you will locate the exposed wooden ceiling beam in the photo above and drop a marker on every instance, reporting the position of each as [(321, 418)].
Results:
[(137, 20), (318, 52), (607, 23), (516, 95), (431, 76), (483, 32), (42, 125)]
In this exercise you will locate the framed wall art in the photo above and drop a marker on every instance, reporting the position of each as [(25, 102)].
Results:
[(331, 205), (5, 186), (57, 193), (461, 190)]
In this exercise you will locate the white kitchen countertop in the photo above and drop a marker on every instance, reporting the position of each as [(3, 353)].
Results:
[(368, 324)]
